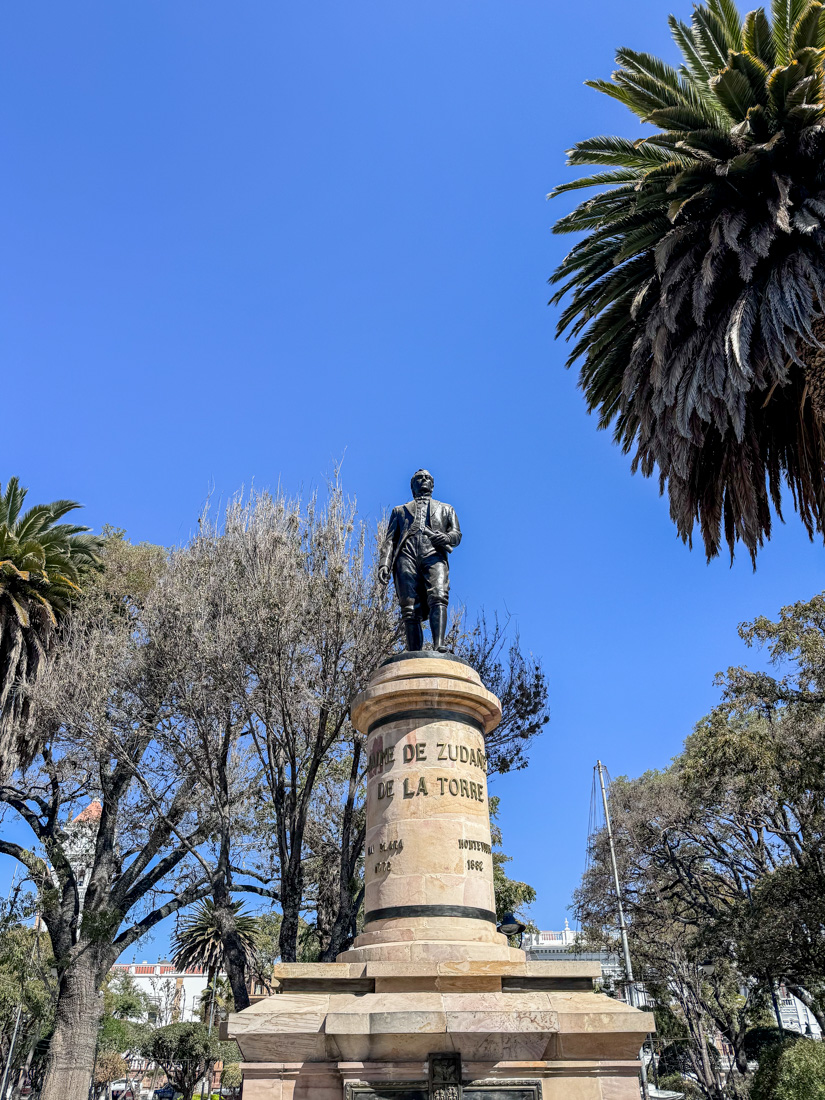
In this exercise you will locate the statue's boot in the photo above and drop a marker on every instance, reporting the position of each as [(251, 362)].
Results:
[(415, 634), (438, 626)]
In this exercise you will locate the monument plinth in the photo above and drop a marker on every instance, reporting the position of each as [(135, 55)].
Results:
[(428, 863), (430, 1002)]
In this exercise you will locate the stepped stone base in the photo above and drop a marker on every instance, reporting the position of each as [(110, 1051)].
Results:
[(431, 1002), (370, 1031)]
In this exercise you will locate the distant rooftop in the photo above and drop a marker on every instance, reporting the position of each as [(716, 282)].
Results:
[(156, 968), (92, 813)]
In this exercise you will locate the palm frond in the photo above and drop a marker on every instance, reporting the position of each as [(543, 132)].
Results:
[(710, 38), (699, 282), (727, 16), (42, 564), (757, 37), (598, 179), (809, 29), (784, 16)]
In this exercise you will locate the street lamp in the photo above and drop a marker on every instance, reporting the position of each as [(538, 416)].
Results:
[(511, 926)]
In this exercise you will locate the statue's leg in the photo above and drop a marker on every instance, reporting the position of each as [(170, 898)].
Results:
[(415, 634), (438, 626), (406, 585), (438, 592)]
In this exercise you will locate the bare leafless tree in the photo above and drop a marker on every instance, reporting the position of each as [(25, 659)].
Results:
[(122, 830)]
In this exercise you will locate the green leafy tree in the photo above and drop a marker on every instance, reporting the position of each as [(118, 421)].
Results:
[(697, 292), (42, 567), (720, 855), (761, 755), (110, 1066), (268, 950), (231, 1077), (186, 1052), (511, 895), (125, 1007), (517, 679), (26, 984), (761, 1038), (675, 1082), (794, 1070), (123, 998)]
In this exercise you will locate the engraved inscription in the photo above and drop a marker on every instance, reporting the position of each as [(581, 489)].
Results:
[(461, 754), (410, 754), (420, 789), (379, 758)]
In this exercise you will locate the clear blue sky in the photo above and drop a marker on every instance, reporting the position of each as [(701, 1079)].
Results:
[(240, 240)]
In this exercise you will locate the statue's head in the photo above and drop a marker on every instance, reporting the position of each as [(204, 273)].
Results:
[(422, 483)]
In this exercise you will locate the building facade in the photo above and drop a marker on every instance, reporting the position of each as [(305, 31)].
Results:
[(795, 1016), (561, 945), (175, 994), (549, 946)]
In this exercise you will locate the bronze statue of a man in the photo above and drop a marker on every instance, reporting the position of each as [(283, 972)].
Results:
[(420, 536)]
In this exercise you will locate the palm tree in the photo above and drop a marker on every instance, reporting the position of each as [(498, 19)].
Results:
[(697, 295), (42, 565), (200, 940)]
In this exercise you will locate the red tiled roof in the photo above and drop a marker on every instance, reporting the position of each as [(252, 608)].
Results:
[(149, 968), (93, 812)]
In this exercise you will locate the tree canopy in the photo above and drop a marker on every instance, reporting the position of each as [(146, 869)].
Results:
[(720, 855), (186, 1052), (696, 294)]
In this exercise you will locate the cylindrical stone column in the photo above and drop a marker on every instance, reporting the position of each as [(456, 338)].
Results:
[(428, 863)]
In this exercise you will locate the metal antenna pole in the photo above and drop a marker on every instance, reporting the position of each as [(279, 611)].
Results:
[(628, 965)]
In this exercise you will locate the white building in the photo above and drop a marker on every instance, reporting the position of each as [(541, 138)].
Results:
[(175, 994), (795, 1016), (547, 946), (79, 839)]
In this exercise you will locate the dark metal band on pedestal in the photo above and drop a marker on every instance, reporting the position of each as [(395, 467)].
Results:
[(392, 912), (428, 714)]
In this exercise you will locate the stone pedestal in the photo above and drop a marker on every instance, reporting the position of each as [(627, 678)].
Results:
[(431, 1003), (428, 867)]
